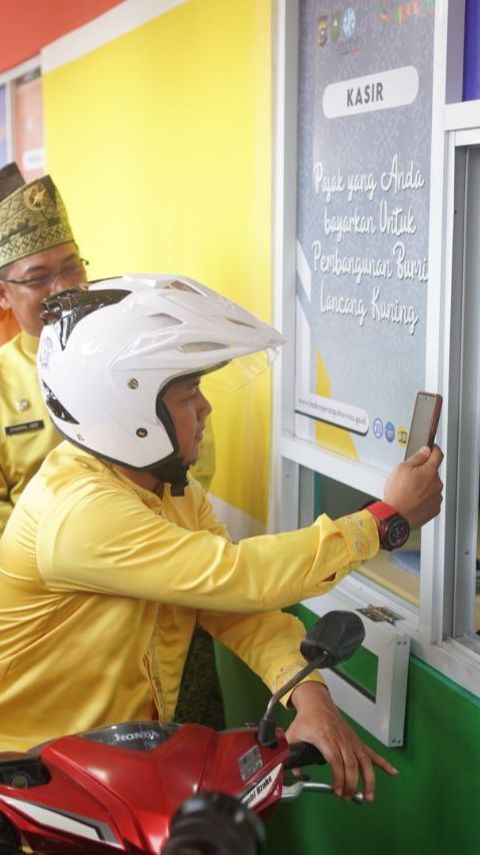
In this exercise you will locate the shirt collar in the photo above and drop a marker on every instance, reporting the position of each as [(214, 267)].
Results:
[(29, 343), (148, 497)]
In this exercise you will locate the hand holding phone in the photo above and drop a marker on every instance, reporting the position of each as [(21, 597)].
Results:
[(424, 425)]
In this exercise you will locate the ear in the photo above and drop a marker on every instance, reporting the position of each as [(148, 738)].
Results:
[(4, 297)]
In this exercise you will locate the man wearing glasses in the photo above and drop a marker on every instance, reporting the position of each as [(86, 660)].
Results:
[(38, 256)]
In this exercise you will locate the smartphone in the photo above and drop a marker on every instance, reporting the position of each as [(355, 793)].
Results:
[(424, 425)]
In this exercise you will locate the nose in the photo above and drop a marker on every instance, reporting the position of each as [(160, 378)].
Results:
[(205, 407)]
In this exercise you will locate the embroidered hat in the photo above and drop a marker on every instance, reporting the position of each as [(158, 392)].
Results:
[(33, 217)]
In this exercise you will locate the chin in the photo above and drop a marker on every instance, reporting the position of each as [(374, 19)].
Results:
[(191, 459)]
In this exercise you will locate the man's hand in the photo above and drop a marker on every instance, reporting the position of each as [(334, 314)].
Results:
[(414, 487), (319, 722)]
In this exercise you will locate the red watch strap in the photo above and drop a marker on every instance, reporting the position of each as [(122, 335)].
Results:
[(381, 510)]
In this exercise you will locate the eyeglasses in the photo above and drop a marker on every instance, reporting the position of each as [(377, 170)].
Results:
[(70, 272)]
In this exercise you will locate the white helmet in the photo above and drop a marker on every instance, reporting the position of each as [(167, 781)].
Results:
[(106, 354)]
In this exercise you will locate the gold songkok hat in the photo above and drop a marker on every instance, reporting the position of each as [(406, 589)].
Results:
[(33, 217)]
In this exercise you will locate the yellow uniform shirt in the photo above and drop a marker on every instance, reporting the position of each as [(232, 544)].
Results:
[(26, 434), (102, 582)]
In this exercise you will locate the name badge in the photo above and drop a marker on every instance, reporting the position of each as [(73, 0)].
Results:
[(24, 427)]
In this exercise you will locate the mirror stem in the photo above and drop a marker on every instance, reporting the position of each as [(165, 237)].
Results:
[(267, 727)]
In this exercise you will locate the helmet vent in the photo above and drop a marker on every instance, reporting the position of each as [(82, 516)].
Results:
[(182, 286), (56, 407), (166, 320), (242, 324), (202, 346)]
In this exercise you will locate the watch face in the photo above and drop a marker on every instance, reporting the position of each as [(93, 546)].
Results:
[(396, 532)]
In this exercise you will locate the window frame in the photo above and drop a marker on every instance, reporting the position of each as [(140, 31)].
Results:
[(435, 629), (9, 79)]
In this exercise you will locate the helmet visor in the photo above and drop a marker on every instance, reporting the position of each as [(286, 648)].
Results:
[(230, 376)]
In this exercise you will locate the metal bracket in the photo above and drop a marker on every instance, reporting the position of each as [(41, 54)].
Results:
[(380, 613), (384, 714)]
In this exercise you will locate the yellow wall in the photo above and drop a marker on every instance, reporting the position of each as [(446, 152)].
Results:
[(160, 142)]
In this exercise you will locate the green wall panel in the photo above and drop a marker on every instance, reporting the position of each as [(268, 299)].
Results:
[(430, 808)]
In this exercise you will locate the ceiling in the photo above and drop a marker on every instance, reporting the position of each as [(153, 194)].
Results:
[(29, 25)]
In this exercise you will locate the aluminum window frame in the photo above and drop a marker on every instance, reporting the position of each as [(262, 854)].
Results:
[(9, 79), (436, 627)]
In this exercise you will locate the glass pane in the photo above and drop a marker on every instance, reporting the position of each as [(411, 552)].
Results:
[(398, 571), (28, 124)]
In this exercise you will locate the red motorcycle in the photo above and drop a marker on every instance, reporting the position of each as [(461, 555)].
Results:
[(142, 787)]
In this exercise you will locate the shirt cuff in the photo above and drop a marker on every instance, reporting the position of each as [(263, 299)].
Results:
[(361, 535)]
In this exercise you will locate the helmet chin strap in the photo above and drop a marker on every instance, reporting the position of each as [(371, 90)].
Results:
[(173, 471)]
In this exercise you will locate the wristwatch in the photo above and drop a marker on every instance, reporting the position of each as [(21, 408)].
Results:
[(393, 529)]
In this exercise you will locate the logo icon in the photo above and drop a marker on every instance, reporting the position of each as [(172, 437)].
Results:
[(35, 198), (46, 352), (389, 432), (349, 22), (377, 428), (402, 435), (322, 33), (335, 26)]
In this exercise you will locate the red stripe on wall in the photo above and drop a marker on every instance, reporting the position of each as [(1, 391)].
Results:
[(28, 25)]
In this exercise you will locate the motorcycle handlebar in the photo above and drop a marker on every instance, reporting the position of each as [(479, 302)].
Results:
[(213, 823), (304, 754)]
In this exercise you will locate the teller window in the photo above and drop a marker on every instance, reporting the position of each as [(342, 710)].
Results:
[(397, 572)]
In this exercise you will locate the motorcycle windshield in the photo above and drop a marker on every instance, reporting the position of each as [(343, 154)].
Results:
[(133, 735)]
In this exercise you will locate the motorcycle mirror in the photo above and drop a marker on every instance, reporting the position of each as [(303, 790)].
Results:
[(335, 637), (331, 640)]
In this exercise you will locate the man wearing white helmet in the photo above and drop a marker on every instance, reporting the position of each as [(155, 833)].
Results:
[(113, 553)]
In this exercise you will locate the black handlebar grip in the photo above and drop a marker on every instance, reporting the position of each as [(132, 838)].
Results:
[(304, 754), (217, 824)]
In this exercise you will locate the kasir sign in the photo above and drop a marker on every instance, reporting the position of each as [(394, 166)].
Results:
[(395, 88)]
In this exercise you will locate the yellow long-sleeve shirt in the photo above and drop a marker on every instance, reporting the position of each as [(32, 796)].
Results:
[(26, 433), (102, 582)]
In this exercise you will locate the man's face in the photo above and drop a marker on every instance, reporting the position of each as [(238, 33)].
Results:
[(188, 408), (25, 300)]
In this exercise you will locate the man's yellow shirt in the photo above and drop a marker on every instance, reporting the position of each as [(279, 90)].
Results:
[(102, 582)]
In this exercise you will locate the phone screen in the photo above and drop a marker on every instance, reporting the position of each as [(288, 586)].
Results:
[(424, 422)]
